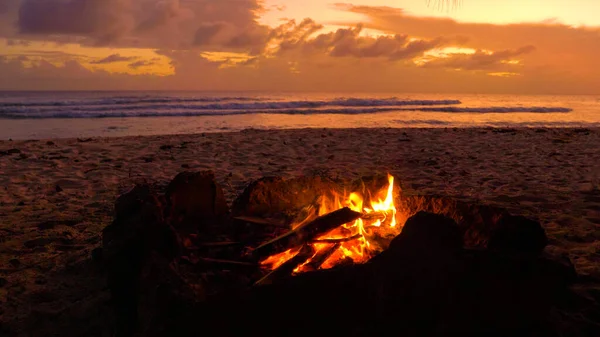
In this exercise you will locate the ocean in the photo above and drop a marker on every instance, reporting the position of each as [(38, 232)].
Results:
[(42, 115)]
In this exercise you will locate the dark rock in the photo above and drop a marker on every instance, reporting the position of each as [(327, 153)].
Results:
[(97, 255), (58, 188), (15, 263), (428, 233), (166, 147), (195, 201), (41, 280), (418, 269), (519, 235), (21, 203), (274, 196), (139, 220), (3, 282), (50, 143), (137, 231), (84, 140), (475, 221)]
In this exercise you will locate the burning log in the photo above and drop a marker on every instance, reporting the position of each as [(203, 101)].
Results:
[(317, 261), (286, 269), (340, 240), (306, 232), (381, 216)]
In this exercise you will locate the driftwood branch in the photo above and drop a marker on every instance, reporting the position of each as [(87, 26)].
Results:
[(287, 268), (307, 232)]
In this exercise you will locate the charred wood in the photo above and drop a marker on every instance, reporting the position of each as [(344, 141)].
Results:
[(340, 240), (287, 268), (317, 261), (306, 232)]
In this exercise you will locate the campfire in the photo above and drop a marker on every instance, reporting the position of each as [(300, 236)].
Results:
[(178, 254), (347, 228)]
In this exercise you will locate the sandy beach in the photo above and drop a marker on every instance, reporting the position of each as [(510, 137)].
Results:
[(57, 195)]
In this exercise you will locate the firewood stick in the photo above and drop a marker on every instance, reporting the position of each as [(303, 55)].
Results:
[(217, 244), (260, 221), (317, 261), (226, 262), (306, 232), (340, 240), (287, 268), (205, 260)]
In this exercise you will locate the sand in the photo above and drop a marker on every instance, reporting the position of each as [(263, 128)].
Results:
[(57, 195)]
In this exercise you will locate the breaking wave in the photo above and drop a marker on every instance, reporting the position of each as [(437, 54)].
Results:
[(498, 109), (159, 106)]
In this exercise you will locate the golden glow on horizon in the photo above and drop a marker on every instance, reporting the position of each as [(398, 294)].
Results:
[(504, 74), (228, 59), (445, 52), (131, 61)]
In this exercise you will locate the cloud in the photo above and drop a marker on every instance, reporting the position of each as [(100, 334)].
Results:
[(12, 42), (479, 60), (102, 20), (114, 58), (220, 45), (303, 39), (141, 63), (177, 24)]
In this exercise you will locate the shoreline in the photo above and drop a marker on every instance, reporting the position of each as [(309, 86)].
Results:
[(60, 191), (504, 128)]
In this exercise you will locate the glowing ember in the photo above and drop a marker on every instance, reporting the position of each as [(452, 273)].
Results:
[(357, 241)]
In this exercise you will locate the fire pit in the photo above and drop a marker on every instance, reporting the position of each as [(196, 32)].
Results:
[(180, 263)]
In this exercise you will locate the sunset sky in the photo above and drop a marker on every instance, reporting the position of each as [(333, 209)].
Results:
[(479, 46)]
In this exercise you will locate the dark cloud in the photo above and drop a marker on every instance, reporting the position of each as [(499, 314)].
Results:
[(177, 24), (141, 63), (114, 58), (206, 33), (102, 20)]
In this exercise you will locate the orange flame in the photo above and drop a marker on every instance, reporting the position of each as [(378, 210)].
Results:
[(378, 221)]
